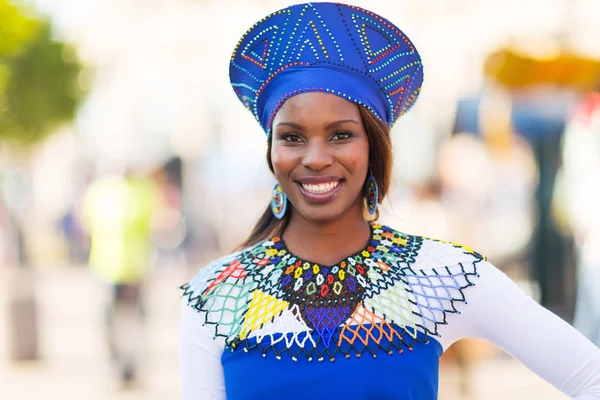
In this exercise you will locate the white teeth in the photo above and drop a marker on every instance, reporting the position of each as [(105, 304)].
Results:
[(321, 188)]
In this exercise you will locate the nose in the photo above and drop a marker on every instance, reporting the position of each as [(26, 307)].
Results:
[(318, 156)]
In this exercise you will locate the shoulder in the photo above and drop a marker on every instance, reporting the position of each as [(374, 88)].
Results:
[(225, 272), (222, 291), (447, 281), (194, 289), (422, 253)]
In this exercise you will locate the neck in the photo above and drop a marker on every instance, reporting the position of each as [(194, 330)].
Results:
[(327, 242)]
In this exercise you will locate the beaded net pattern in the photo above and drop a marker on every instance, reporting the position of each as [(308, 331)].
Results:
[(396, 291)]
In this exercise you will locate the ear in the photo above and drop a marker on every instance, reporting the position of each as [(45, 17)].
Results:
[(269, 160)]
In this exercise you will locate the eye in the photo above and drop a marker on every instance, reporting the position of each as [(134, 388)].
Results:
[(344, 135), (291, 138)]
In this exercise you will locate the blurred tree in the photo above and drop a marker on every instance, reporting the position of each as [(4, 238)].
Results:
[(39, 77), (39, 90), (16, 30)]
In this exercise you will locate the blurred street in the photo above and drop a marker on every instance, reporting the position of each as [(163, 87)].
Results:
[(75, 364)]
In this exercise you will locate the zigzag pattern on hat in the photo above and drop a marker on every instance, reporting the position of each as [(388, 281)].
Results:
[(328, 35)]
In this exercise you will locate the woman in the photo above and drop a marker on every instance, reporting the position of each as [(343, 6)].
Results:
[(321, 303)]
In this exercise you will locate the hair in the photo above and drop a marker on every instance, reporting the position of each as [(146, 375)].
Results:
[(380, 163)]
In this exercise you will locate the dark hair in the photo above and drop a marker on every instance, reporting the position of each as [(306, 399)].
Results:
[(380, 163)]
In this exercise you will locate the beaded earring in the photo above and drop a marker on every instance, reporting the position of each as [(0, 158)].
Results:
[(371, 194), (279, 202)]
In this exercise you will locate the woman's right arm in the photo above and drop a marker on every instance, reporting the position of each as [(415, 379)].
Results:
[(200, 358)]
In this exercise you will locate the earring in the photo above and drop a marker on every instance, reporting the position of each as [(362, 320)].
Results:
[(371, 194), (278, 202)]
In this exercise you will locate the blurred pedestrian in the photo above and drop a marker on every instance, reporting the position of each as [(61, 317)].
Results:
[(118, 210), (581, 191), (322, 301)]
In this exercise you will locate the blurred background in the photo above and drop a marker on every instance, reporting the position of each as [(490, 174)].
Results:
[(118, 130)]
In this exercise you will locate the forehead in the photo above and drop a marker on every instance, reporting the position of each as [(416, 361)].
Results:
[(317, 107)]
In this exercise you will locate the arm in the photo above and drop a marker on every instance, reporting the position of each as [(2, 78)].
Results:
[(200, 358), (500, 312)]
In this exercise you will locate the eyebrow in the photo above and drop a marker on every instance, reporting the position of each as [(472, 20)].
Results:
[(291, 125), (340, 122), (328, 126)]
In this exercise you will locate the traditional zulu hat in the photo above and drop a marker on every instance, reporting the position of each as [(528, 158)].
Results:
[(326, 47)]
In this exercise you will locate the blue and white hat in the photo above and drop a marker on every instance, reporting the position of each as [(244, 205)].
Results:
[(326, 47)]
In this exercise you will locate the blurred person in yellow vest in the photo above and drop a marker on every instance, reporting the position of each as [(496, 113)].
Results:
[(118, 211)]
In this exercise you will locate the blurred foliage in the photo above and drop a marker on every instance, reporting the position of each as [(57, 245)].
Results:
[(16, 29), (516, 71), (39, 88)]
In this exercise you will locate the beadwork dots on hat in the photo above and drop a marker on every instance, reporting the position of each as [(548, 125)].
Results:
[(326, 47)]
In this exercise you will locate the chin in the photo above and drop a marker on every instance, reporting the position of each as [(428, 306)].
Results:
[(320, 216)]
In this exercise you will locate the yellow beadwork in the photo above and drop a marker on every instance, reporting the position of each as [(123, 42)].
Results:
[(262, 308)]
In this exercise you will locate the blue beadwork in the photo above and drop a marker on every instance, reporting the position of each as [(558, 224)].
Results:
[(333, 48)]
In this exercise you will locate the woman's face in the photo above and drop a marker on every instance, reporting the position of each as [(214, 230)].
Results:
[(320, 155)]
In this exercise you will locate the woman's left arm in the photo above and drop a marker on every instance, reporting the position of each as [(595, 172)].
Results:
[(500, 312)]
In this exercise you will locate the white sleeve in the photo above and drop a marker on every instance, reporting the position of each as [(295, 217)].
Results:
[(200, 357), (500, 312)]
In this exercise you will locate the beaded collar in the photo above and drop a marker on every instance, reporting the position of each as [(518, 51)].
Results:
[(393, 293)]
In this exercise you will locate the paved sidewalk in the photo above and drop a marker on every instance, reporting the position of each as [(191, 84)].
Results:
[(75, 365)]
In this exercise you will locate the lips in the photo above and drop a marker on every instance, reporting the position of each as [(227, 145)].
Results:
[(320, 189)]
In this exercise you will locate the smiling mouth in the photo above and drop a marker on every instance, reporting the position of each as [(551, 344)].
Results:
[(320, 192), (321, 188)]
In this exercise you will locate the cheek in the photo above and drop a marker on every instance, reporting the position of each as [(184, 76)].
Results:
[(358, 158), (282, 160)]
